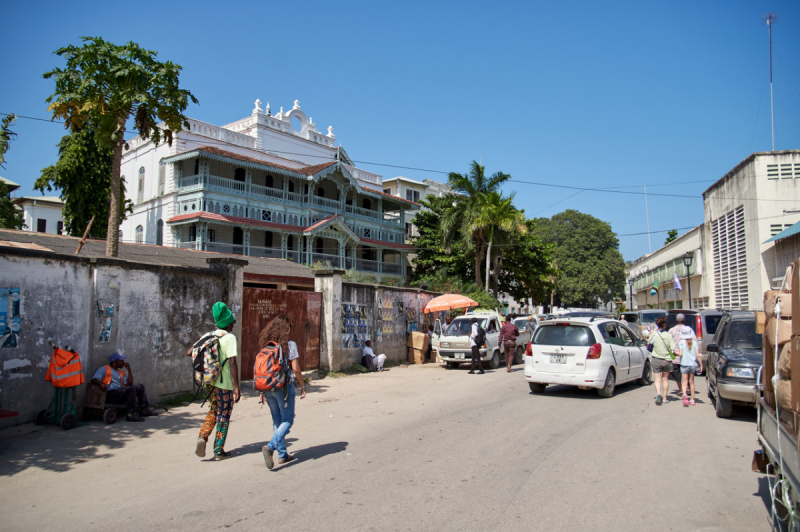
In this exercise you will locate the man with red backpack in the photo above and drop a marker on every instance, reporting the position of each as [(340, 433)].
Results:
[(221, 373)]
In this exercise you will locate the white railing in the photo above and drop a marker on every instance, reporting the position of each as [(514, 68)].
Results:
[(295, 197), (389, 267), (272, 253), (261, 190), (225, 135), (191, 182), (225, 248), (326, 203), (367, 265), (187, 245), (293, 256), (238, 187), (366, 213), (363, 175)]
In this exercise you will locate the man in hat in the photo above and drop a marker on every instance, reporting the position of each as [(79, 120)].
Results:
[(675, 332), (225, 389), (377, 360), (111, 379)]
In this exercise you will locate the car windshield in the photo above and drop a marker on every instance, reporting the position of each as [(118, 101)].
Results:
[(630, 317), (741, 334), (712, 322), (463, 326), (570, 335), (650, 317)]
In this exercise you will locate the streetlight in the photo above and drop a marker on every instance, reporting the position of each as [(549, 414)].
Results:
[(610, 302), (687, 261), (630, 291)]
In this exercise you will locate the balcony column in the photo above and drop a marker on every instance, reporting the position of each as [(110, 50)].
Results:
[(246, 241), (380, 260), (202, 231), (400, 218), (204, 171), (248, 180), (177, 174), (284, 254)]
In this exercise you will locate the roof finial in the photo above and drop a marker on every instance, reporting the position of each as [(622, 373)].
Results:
[(258, 107), (296, 104), (269, 113)]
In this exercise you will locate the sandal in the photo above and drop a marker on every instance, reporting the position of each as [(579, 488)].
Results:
[(685, 401), (658, 400), (691, 403)]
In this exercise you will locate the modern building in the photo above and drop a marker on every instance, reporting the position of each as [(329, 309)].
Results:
[(42, 214), (267, 186)]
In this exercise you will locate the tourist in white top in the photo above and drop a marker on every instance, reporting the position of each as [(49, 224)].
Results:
[(378, 360)]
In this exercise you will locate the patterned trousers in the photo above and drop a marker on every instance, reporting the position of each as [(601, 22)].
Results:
[(220, 407)]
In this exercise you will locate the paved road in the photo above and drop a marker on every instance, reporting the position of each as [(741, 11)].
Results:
[(419, 448)]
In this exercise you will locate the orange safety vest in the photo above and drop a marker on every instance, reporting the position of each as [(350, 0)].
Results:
[(65, 370), (107, 377)]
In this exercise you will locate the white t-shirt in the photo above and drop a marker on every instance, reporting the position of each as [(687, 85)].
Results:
[(473, 335), (368, 351), (293, 354)]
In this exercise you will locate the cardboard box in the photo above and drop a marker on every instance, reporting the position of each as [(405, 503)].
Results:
[(768, 369), (785, 361), (416, 356), (796, 298), (418, 340), (779, 331), (795, 364), (761, 322)]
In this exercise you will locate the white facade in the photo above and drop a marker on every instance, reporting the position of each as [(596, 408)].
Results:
[(42, 214), (753, 202)]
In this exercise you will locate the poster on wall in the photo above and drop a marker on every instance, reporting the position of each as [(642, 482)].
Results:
[(355, 325), (10, 322)]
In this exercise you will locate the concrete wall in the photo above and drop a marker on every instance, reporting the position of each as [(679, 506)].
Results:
[(351, 313), (158, 312)]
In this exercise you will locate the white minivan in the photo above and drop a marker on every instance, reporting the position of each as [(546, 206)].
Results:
[(587, 352)]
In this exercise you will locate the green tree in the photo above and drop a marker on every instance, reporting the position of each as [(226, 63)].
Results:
[(672, 235), (106, 84), (10, 215), (587, 253), (525, 267), (462, 221), (431, 254), (502, 222), (83, 175), (6, 136)]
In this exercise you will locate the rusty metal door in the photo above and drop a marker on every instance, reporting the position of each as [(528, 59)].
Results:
[(261, 305)]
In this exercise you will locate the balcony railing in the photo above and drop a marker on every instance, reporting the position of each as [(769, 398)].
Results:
[(261, 190), (273, 253), (365, 213), (233, 249), (335, 260), (325, 203)]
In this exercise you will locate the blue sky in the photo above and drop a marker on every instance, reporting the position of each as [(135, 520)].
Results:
[(583, 94)]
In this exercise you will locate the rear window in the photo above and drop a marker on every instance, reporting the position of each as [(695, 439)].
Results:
[(741, 334), (522, 324), (629, 317), (650, 317), (691, 321), (573, 335), (712, 322)]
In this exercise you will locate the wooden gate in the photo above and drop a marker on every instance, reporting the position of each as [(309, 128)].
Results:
[(261, 305)]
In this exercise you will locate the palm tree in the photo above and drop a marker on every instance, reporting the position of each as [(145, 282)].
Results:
[(469, 191), (500, 220)]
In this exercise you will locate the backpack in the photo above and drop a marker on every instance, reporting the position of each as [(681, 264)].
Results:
[(269, 370), (205, 359), (480, 339)]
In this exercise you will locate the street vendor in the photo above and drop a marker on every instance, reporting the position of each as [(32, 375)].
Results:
[(111, 379)]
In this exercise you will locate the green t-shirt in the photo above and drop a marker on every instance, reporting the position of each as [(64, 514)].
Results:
[(662, 345), (227, 349)]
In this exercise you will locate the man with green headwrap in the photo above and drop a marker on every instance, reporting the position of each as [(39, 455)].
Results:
[(226, 387)]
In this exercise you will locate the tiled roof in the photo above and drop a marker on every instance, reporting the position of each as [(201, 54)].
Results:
[(321, 223), (385, 244), (311, 170), (203, 215), (47, 199)]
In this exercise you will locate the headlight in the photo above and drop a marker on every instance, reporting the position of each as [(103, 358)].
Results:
[(740, 373), (445, 344)]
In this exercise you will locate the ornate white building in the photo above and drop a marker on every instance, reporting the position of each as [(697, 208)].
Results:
[(267, 186)]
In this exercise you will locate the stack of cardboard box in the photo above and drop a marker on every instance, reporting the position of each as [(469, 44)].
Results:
[(417, 347)]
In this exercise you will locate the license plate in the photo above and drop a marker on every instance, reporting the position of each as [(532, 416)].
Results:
[(460, 355), (558, 359)]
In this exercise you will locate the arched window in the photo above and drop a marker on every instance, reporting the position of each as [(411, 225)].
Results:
[(321, 192), (160, 233), (139, 234), (270, 181), (320, 246), (366, 204), (268, 239), (140, 190), (210, 206), (216, 208), (238, 174), (238, 236), (197, 167), (290, 242)]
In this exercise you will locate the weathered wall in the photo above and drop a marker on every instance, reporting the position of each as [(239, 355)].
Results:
[(150, 314)]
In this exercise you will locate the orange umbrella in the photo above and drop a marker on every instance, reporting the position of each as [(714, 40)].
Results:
[(448, 302)]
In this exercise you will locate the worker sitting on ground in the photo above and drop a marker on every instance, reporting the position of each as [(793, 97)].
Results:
[(111, 379)]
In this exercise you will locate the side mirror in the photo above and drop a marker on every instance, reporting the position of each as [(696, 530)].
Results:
[(712, 348)]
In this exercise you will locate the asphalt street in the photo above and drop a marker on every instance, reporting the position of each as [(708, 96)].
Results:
[(418, 448)]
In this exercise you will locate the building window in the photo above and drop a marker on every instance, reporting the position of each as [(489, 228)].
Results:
[(239, 175), (162, 173), (197, 167), (60, 227), (321, 192), (367, 233), (226, 209), (270, 181), (366, 204), (160, 233), (139, 234), (291, 186), (212, 235), (387, 190), (290, 242), (266, 216), (268, 239), (730, 260), (41, 225), (412, 195), (238, 236), (777, 228), (140, 195), (192, 233), (320, 246)]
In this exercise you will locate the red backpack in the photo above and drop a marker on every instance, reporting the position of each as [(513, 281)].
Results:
[(269, 371)]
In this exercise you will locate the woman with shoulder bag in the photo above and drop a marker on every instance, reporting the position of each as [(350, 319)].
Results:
[(661, 347)]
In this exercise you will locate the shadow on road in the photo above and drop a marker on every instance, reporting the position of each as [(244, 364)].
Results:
[(574, 392), (316, 452)]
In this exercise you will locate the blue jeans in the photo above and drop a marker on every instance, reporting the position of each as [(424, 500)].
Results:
[(282, 419)]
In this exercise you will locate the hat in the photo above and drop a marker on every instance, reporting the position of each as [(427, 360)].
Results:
[(680, 317), (115, 356), (222, 315), (686, 333)]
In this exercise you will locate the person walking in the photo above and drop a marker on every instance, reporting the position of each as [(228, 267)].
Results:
[(687, 348), (476, 350), (675, 332), (661, 360), (281, 401), (508, 339), (225, 389)]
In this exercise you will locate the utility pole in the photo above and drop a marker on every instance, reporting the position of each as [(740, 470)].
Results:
[(769, 19)]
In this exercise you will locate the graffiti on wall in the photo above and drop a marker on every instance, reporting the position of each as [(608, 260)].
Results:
[(10, 318), (355, 325)]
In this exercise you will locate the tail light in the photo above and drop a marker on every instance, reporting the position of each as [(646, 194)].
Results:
[(594, 352), (699, 328), (528, 350)]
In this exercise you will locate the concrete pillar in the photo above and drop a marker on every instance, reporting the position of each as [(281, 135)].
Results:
[(246, 241), (329, 282), (233, 291), (284, 236), (380, 261)]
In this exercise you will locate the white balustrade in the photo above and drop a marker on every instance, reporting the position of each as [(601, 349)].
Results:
[(326, 203), (229, 185), (363, 175), (261, 190), (273, 253)]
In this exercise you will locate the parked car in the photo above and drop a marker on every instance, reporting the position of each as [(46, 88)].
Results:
[(643, 321), (452, 342), (586, 352), (588, 314), (704, 324), (733, 362), (525, 332)]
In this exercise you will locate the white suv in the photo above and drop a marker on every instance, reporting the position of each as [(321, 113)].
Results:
[(586, 352)]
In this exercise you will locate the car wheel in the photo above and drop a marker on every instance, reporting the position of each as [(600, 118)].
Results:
[(518, 354), (708, 387), (647, 375), (537, 387), (724, 406), (494, 363), (608, 388)]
